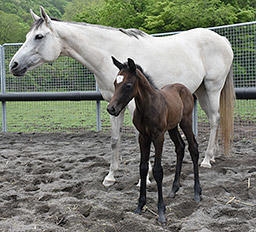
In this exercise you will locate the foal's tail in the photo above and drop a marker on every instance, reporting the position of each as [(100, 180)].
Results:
[(227, 100)]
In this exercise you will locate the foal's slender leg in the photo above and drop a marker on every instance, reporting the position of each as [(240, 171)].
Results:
[(144, 142), (186, 126), (158, 175), (179, 149), (131, 107)]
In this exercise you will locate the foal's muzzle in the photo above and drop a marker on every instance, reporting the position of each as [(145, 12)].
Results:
[(112, 110)]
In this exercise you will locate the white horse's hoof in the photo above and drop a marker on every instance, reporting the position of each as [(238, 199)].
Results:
[(148, 182), (109, 180), (108, 183), (206, 165)]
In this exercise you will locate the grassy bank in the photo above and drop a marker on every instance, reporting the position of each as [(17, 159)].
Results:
[(80, 115)]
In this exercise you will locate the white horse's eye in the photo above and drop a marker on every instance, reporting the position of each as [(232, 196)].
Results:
[(39, 36), (119, 79)]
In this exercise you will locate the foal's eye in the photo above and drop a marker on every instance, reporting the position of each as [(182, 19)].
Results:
[(128, 85), (39, 36)]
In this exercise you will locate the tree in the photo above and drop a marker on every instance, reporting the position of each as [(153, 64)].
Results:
[(12, 30), (161, 15), (116, 13), (179, 15)]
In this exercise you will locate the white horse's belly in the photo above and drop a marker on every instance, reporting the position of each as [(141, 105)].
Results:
[(171, 67)]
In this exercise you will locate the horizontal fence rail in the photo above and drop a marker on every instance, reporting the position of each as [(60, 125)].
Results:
[(241, 93), (246, 93), (52, 96)]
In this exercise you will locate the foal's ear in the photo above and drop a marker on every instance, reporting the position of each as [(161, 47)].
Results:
[(131, 65), (34, 16), (118, 64)]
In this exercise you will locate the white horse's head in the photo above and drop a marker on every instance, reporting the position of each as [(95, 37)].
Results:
[(42, 45)]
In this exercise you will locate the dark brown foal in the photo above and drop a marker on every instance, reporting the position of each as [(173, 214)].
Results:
[(157, 111)]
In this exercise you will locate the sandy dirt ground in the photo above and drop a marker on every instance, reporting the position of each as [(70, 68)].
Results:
[(53, 182)]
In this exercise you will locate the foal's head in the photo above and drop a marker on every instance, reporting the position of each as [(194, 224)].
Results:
[(125, 86)]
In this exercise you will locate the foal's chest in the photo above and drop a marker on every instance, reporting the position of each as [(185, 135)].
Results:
[(147, 124)]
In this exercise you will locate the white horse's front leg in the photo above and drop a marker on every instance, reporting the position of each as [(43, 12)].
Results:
[(116, 124)]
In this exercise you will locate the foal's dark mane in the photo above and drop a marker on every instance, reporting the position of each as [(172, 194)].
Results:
[(132, 32), (148, 77)]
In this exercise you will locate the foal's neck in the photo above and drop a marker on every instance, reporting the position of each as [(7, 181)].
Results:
[(146, 93)]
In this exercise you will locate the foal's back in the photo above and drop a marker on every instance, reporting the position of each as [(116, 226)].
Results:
[(180, 102)]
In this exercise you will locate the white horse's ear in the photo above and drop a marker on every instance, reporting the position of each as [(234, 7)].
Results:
[(45, 16), (34, 16)]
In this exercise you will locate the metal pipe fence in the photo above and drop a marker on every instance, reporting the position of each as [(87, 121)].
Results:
[(68, 81)]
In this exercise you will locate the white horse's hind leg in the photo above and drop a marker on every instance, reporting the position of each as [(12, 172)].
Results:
[(209, 102), (216, 146), (116, 124), (211, 148)]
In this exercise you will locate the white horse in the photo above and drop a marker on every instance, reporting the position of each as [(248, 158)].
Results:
[(200, 59)]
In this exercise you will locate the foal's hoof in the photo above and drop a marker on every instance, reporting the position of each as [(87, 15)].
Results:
[(172, 194), (162, 219), (138, 211), (197, 198)]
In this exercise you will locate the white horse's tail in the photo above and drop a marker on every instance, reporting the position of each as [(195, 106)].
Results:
[(227, 100)]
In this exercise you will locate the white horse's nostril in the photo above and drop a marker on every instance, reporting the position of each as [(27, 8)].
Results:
[(15, 65)]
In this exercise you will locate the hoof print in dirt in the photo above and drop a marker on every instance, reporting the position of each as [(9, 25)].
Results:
[(31, 188), (42, 209), (61, 221), (85, 210)]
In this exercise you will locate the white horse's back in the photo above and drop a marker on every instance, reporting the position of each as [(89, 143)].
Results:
[(188, 57)]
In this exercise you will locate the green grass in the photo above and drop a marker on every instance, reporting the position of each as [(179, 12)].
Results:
[(81, 115), (244, 110), (50, 116)]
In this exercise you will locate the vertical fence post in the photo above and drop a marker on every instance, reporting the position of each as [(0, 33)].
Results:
[(98, 112), (195, 118), (4, 124)]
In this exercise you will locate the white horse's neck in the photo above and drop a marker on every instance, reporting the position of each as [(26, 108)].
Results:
[(93, 46)]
